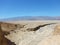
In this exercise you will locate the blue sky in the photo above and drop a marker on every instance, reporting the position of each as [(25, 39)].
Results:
[(15, 8)]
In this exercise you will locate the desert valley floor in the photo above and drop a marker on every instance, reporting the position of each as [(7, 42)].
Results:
[(45, 32)]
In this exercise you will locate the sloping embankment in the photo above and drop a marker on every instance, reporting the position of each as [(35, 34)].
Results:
[(31, 37)]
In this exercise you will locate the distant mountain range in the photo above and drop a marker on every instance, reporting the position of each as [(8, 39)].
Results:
[(31, 18)]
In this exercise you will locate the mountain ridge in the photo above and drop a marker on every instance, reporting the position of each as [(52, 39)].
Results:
[(32, 18)]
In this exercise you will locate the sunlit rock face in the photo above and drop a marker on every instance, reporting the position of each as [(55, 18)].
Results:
[(31, 37), (3, 40), (5, 29), (29, 34)]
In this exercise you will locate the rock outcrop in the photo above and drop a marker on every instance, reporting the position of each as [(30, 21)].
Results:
[(38, 27), (29, 37), (13, 34), (3, 40), (5, 29)]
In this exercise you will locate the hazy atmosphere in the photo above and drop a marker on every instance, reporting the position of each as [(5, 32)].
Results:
[(16, 8)]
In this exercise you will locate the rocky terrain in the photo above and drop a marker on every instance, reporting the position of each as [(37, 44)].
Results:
[(5, 29), (29, 33)]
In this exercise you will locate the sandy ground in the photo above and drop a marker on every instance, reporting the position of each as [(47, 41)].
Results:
[(43, 36)]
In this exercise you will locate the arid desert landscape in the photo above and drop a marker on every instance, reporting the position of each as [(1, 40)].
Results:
[(29, 22), (36, 32)]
